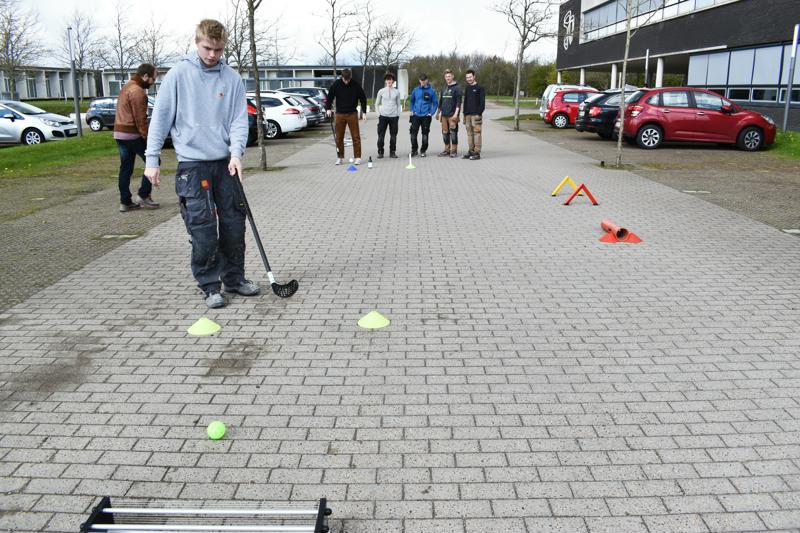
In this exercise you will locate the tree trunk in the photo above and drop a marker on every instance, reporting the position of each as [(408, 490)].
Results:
[(520, 55), (622, 86), (256, 76)]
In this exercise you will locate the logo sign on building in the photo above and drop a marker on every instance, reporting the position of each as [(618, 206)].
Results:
[(569, 28)]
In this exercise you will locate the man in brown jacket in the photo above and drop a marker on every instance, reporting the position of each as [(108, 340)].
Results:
[(130, 132)]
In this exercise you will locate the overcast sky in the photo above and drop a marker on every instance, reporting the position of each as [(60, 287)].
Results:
[(440, 26)]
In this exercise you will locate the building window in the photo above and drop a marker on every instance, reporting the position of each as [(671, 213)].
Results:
[(717, 68), (787, 59), (767, 65), (47, 84), (741, 70), (114, 87), (739, 94), (765, 95), (718, 90), (795, 95), (698, 68), (31, 86)]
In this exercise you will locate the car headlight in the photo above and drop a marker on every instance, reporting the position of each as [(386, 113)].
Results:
[(51, 123), (768, 119)]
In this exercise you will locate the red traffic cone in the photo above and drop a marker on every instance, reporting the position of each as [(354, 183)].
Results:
[(616, 233)]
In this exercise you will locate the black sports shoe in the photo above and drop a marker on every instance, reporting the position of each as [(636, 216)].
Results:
[(393, 155), (124, 208), (467, 155), (474, 157), (422, 154), (380, 155), (413, 154)]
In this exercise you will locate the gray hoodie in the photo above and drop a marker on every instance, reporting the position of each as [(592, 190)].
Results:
[(388, 102), (204, 109)]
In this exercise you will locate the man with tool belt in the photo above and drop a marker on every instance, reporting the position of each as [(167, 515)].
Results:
[(474, 106), (449, 106), (202, 104)]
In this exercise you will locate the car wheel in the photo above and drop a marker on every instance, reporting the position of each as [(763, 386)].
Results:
[(560, 121), (272, 129), (32, 136), (95, 124), (750, 139), (649, 137)]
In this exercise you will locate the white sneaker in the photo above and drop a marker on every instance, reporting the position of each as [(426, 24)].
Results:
[(338, 162), (351, 159), (357, 161)]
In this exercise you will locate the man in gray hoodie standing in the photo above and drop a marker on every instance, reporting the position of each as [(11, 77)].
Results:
[(388, 105), (202, 104)]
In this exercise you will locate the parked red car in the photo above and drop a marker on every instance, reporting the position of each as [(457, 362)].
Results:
[(563, 108), (687, 114)]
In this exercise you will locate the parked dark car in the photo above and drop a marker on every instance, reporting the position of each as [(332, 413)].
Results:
[(319, 93), (598, 113), (101, 113), (314, 113), (563, 108), (689, 114)]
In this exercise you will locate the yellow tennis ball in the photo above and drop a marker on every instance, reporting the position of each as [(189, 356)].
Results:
[(216, 430)]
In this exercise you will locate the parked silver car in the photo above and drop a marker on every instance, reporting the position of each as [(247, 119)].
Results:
[(27, 124)]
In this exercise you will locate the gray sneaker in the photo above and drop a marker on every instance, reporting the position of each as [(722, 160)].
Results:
[(148, 203), (215, 300), (245, 288)]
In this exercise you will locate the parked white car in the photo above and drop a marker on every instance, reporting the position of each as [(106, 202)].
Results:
[(27, 124), (282, 113)]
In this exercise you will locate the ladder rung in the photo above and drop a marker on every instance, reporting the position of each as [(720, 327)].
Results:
[(209, 512)]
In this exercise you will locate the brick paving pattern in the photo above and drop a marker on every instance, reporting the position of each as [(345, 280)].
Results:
[(532, 378)]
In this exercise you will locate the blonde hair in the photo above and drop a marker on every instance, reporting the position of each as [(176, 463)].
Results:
[(448, 71), (211, 29)]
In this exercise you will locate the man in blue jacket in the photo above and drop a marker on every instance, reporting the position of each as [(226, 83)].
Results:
[(202, 104), (423, 105)]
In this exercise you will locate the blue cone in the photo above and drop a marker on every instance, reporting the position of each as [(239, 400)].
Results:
[(352, 168)]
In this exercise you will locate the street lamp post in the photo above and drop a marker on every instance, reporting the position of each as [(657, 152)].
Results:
[(74, 84), (792, 64)]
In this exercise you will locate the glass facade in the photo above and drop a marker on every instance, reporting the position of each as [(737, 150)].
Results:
[(747, 75), (610, 18)]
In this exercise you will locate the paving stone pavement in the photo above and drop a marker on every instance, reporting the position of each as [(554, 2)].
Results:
[(532, 378)]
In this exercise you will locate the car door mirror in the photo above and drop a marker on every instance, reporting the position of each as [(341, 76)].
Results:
[(10, 116), (727, 109)]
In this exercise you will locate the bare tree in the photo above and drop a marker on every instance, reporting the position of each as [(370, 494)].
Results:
[(394, 43), (628, 36), (339, 31), (532, 21), (151, 47), (367, 38), (85, 43), (119, 51), (277, 50), (20, 43), (252, 6)]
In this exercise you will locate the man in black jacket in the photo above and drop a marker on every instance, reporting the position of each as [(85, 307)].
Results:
[(347, 93), (474, 104)]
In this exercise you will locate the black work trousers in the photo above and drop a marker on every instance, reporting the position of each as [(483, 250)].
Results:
[(418, 122), (214, 213), (391, 123)]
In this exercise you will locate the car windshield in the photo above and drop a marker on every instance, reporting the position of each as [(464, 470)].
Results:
[(629, 99), (25, 109), (594, 97)]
